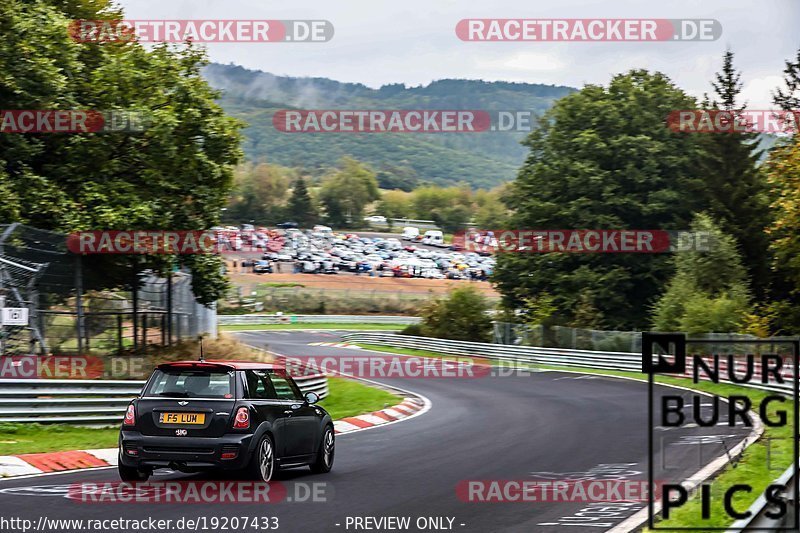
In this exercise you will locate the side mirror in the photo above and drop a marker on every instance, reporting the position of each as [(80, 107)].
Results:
[(311, 398)]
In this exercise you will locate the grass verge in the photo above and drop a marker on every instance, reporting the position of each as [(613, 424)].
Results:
[(36, 438), (352, 398), (347, 398)]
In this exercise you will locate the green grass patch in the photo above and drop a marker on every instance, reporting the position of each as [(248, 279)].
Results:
[(37, 438), (352, 398), (321, 325), (752, 468), (347, 398)]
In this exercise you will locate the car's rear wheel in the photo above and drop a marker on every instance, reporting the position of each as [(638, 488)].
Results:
[(324, 460), (262, 467), (129, 473)]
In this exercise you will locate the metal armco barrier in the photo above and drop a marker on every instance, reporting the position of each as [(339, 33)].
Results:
[(72, 401), (228, 320), (631, 362), (758, 521)]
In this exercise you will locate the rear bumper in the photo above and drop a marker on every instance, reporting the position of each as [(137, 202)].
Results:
[(186, 452)]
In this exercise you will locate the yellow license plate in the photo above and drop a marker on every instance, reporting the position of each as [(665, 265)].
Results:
[(182, 418)]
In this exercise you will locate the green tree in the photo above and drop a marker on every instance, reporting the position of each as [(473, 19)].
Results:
[(394, 204), (259, 194), (176, 174), (603, 158), (452, 219), (460, 316), (783, 173), (491, 212), (709, 289), (782, 168), (735, 189), (301, 208), (345, 194)]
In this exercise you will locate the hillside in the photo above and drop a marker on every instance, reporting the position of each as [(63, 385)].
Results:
[(481, 159)]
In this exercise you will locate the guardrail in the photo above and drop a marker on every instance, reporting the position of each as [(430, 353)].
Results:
[(91, 401), (228, 320), (627, 361), (758, 521)]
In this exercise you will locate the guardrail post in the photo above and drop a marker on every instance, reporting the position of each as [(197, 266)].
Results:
[(120, 345)]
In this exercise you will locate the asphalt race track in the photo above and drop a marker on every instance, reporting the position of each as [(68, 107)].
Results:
[(543, 425)]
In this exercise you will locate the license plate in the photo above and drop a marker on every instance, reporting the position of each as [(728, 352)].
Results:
[(182, 418)]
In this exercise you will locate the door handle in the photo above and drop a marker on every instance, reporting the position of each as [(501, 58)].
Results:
[(288, 412)]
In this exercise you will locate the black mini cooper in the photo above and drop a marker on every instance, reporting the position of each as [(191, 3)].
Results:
[(236, 416)]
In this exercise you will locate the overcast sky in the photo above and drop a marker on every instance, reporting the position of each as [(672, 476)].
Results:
[(414, 42)]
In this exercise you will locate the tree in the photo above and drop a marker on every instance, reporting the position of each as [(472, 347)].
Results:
[(460, 316), (452, 219), (788, 98), (347, 192), (783, 174), (735, 190), (491, 212), (709, 290), (394, 204), (301, 208), (602, 158), (176, 174), (259, 193)]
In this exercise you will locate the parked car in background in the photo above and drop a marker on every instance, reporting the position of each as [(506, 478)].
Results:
[(262, 267), (410, 233), (433, 238)]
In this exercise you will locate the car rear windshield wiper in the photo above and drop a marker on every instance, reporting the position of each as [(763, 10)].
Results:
[(173, 394)]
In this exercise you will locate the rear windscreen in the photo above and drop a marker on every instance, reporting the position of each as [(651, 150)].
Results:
[(187, 383)]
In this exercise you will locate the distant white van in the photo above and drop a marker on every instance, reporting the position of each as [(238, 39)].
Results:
[(322, 229), (433, 238), (410, 233)]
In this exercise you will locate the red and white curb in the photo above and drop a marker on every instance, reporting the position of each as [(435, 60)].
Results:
[(336, 345), (50, 462), (42, 463), (408, 408)]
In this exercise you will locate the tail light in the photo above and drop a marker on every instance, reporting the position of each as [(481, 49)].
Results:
[(130, 416), (242, 420)]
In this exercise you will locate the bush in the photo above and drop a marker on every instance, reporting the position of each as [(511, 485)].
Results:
[(461, 316), (414, 330)]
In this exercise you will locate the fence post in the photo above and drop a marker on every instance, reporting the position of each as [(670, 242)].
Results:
[(120, 346), (169, 309), (144, 331), (79, 301), (135, 291)]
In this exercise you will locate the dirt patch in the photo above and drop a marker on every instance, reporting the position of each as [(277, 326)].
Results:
[(360, 283)]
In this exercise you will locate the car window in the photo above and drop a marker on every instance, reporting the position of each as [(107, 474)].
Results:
[(284, 389), (187, 383), (259, 386)]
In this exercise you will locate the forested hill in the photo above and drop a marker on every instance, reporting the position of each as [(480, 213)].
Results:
[(483, 159)]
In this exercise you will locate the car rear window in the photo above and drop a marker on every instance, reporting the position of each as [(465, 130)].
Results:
[(188, 383)]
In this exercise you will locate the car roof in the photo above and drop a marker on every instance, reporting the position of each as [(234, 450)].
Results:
[(222, 365)]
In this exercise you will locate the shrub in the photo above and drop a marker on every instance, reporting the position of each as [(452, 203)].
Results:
[(460, 316), (413, 330)]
